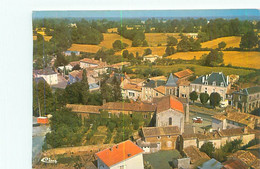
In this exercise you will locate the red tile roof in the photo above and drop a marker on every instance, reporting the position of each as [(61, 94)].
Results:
[(132, 87), (234, 164), (137, 107), (183, 73), (84, 108), (169, 102), (119, 153)]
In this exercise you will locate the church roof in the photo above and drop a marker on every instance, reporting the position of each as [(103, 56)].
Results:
[(172, 81), (169, 102)]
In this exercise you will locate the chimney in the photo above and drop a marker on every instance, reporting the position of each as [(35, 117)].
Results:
[(194, 129), (227, 80), (155, 83), (203, 79), (100, 59)]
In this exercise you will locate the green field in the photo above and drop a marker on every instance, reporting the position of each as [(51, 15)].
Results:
[(162, 159), (199, 70)]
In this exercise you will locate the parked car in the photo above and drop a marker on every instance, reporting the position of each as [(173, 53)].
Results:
[(197, 120)]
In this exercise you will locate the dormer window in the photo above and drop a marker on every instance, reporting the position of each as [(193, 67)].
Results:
[(214, 83), (206, 82), (221, 84)]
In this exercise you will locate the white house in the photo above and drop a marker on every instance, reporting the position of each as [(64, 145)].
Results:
[(125, 155), (48, 74), (151, 57)]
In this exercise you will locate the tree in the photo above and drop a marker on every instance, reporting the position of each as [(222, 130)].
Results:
[(85, 87), (125, 53), (204, 97), (169, 50), (147, 51), (214, 99), (214, 58), (171, 41), (118, 45), (76, 67), (145, 43), (193, 96), (249, 40), (42, 98), (116, 90), (222, 45), (208, 148)]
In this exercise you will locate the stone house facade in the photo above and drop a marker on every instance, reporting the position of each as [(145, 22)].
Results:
[(166, 138), (247, 99), (214, 82)]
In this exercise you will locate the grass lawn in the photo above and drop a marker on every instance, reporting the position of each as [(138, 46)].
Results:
[(199, 70), (162, 159)]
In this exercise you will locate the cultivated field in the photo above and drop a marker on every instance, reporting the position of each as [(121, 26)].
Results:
[(154, 39), (160, 50), (199, 70), (110, 38), (46, 38), (84, 48), (231, 41), (236, 58)]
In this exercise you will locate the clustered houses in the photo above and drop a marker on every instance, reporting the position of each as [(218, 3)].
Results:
[(121, 156), (247, 99), (234, 119), (214, 82), (76, 76), (219, 138), (132, 88), (176, 85)]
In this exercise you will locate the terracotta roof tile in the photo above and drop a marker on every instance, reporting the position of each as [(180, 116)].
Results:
[(160, 89), (245, 157), (84, 108), (169, 102), (137, 107), (119, 153), (195, 154), (236, 131), (183, 73), (160, 131), (132, 87), (233, 164)]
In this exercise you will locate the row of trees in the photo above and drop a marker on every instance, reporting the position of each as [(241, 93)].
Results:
[(214, 98)]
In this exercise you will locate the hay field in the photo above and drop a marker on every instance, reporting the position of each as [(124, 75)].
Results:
[(231, 41), (155, 50), (84, 48), (199, 70), (154, 39), (46, 38), (236, 58), (110, 38)]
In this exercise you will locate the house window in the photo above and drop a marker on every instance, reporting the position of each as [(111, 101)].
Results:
[(214, 83), (169, 136), (131, 94), (159, 137), (145, 116), (170, 121), (157, 94), (240, 97), (206, 82), (122, 167), (206, 90)]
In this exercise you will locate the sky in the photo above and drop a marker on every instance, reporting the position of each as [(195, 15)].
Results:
[(246, 13)]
